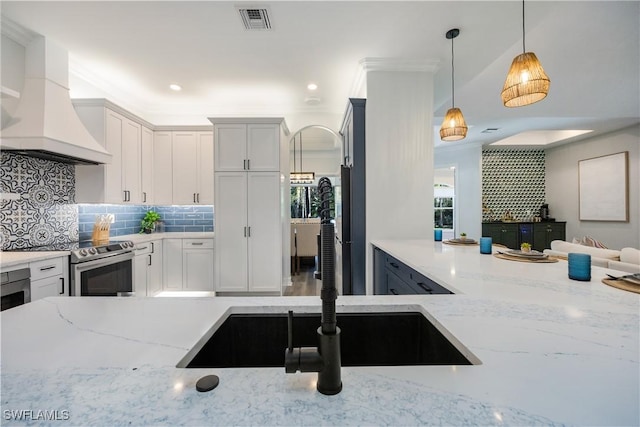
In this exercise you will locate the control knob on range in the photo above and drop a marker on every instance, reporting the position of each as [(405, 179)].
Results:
[(83, 252), (93, 251)]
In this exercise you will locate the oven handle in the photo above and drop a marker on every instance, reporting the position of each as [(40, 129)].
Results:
[(89, 265)]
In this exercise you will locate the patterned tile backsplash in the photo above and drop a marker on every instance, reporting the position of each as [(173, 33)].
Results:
[(128, 217), (40, 208), (512, 180)]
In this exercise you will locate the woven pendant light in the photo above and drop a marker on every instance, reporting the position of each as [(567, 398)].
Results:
[(526, 81), (453, 126)]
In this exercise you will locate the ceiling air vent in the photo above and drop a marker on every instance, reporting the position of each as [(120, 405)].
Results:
[(255, 18)]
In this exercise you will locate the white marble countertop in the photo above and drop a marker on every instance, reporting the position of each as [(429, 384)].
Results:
[(10, 259), (553, 352)]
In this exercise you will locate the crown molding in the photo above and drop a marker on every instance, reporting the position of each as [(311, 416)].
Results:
[(16, 32), (365, 65)]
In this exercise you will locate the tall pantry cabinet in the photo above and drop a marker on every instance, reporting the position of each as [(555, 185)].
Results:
[(251, 172)]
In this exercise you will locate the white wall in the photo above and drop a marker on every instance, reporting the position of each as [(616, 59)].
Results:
[(399, 157), (468, 183), (562, 187)]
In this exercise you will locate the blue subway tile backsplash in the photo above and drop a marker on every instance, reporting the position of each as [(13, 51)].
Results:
[(127, 218)]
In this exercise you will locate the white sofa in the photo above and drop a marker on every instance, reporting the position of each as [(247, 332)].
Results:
[(627, 259)]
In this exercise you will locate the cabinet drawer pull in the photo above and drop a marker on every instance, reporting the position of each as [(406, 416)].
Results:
[(194, 197), (197, 243), (153, 248), (248, 164), (198, 197), (245, 232), (249, 231), (394, 265), (424, 286), (149, 260), (144, 197), (393, 291), (141, 248), (62, 293), (244, 164), (50, 267)]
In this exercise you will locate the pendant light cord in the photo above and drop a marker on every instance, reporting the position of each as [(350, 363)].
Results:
[(523, 48), (453, 93)]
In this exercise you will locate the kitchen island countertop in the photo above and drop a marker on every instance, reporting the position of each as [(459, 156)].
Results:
[(552, 351)]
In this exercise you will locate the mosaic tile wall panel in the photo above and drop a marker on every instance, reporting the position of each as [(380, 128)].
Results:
[(45, 211), (127, 218), (512, 180)]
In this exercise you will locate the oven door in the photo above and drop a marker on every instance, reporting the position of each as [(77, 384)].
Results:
[(15, 289), (109, 276)]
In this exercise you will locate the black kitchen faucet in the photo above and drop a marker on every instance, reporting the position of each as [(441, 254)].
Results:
[(325, 359)]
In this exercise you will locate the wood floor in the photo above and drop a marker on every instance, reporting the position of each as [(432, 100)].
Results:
[(304, 283)]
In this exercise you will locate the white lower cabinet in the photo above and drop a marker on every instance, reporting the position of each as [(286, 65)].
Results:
[(172, 265), (148, 268), (188, 264), (197, 264), (49, 278)]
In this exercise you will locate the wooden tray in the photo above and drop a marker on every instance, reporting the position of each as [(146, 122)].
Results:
[(470, 243), (621, 284), (521, 259)]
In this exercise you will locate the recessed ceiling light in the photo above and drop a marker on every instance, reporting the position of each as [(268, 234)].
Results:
[(540, 137), (175, 87), (312, 86)]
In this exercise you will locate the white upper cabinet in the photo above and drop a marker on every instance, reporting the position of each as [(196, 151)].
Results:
[(162, 169), (263, 148), (205, 168), (185, 159), (231, 147), (247, 147), (119, 181), (146, 166), (192, 167)]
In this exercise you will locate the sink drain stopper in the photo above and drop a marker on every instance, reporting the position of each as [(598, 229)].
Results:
[(207, 383)]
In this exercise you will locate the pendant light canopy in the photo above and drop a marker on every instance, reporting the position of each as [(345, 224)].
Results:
[(526, 82), (453, 126)]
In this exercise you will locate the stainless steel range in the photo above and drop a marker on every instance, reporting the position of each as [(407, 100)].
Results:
[(102, 270)]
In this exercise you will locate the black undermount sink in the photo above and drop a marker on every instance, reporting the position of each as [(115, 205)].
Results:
[(368, 339)]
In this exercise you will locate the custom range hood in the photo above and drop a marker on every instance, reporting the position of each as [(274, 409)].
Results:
[(45, 123)]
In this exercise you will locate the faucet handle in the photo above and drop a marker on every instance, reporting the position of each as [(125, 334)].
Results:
[(290, 331)]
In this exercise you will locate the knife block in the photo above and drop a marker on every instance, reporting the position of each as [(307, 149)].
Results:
[(100, 234)]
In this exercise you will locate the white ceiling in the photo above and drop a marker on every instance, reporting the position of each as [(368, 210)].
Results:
[(130, 52)]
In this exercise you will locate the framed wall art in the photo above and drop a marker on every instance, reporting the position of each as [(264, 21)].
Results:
[(604, 188)]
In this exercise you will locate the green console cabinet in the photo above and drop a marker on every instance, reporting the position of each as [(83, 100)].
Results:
[(502, 233), (512, 234), (545, 232)]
